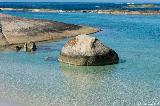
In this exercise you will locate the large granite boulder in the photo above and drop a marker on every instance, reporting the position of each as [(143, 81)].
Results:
[(84, 50)]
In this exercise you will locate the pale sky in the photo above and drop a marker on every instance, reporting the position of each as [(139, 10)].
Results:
[(140, 1)]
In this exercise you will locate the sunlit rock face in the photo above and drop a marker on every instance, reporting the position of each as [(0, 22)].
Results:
[(84, 50), (17, 30), (3, 40)]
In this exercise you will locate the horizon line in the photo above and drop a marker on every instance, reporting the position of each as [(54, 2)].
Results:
[(70, 2)]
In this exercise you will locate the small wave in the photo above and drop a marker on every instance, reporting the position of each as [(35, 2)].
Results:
[(130, 3), (35, 10), (97, 6)]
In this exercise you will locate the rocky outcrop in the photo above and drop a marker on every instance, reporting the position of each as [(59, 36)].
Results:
[(18, 30), (3, 40), (84, 50)]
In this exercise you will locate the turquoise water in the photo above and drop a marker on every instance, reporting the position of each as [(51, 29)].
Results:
[(26, 79), (81, 5)]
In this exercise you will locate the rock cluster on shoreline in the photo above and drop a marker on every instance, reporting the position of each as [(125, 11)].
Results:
[(15, 30)]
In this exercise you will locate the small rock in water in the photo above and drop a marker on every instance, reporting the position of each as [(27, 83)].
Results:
[(18, 48), (33, 46), (84, 50), (28, 47)]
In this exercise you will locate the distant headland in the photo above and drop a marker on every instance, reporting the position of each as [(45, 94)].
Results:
[(138, 12), (85, 7)]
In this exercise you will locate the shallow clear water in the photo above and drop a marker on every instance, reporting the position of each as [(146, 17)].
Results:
[(27, 79)]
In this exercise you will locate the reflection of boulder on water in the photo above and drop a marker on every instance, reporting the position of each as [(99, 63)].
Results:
[(85, 77)]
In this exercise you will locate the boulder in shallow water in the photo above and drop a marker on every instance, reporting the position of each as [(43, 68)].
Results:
[(84, 50)]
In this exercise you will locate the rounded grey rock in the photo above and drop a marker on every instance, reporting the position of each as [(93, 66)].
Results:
[(84, 50)]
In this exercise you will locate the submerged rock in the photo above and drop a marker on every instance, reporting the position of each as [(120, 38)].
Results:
[(48, 58), (87, 51)]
